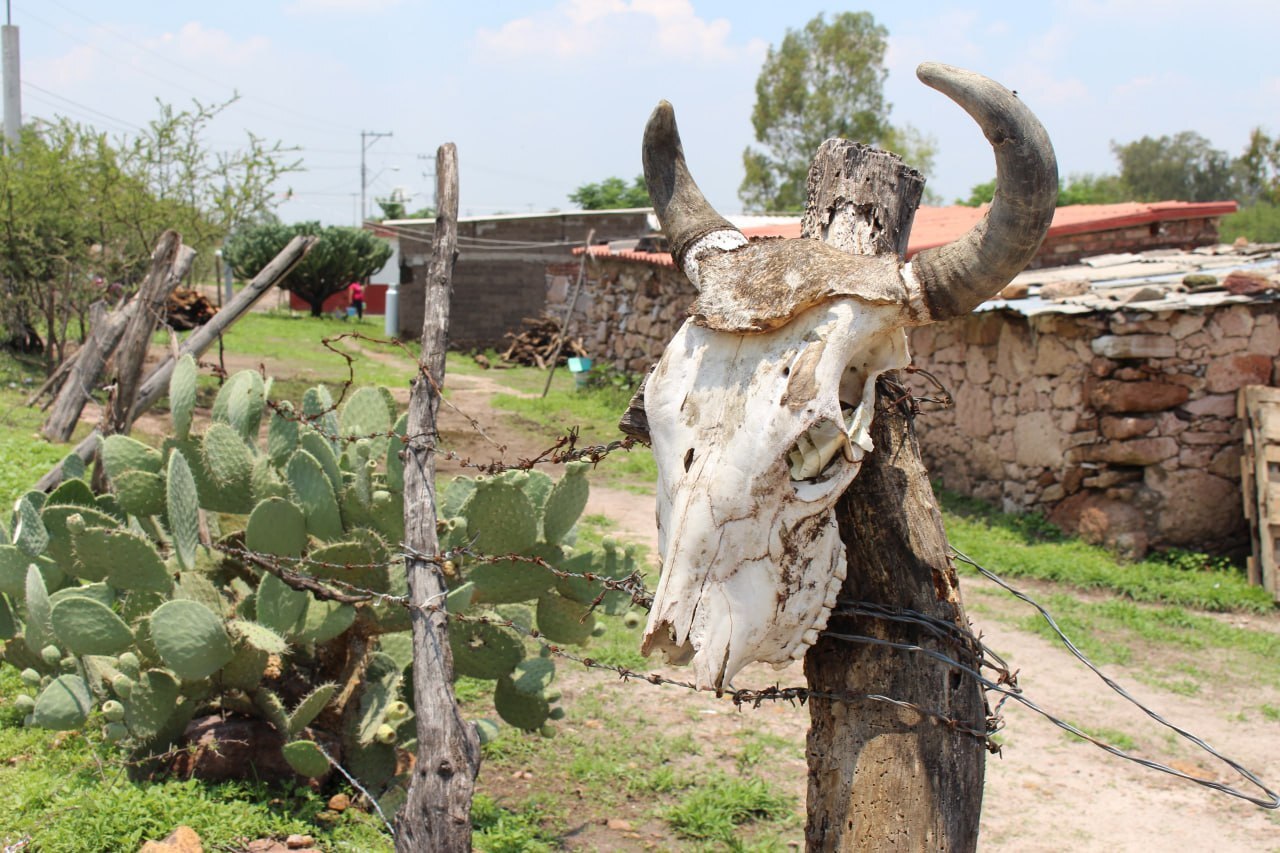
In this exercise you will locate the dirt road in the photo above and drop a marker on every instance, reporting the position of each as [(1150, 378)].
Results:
[(1048, 791)]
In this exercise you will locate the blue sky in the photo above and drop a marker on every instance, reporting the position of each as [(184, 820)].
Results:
[(542, 96)]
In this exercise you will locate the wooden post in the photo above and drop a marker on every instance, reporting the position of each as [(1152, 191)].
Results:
[(169, 263), (437, 813), (156, 385), (84, 370), (883, 776)]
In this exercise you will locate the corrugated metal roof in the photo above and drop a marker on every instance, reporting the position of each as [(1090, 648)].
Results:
[(1124, 282)]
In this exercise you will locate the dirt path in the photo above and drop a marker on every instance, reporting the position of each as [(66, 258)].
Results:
[(1048, 791)]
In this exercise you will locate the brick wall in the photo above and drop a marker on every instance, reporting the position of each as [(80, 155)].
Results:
[(1065, 249), (497, 281)]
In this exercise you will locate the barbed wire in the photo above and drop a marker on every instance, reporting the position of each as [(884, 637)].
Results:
[(971, 657), (970, 645)]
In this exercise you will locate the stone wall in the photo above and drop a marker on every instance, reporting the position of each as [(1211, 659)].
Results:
[(1063, 249), (1119, 425), (626, 313)]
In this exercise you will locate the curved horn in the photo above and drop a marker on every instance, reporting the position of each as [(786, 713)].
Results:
[(684, 212), (957, 277)]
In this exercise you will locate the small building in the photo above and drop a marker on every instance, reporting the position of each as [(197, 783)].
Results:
[(1104, 396), (500, 274)]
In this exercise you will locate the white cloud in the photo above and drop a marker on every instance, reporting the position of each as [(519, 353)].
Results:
[(307, 7), (574, 29), (195, 42)]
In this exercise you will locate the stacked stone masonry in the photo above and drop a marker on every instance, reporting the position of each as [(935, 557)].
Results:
[(1119, 425)]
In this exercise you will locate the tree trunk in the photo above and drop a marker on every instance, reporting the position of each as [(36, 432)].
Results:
[(881, 775), (169, 263), (437, 814), (84, 370)]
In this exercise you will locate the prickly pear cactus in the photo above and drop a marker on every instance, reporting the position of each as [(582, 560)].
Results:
[(236, 568)]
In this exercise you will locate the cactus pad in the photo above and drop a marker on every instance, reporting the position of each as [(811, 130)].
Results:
[(84, 626), (150, 704), (314, 494), (565, 502), (226, 457), (282, 433), (276, 527), (310, 707), (280, 607), (126, 560), (506, 581), (501, 518), (183, 509), (190, 639), (65, 704), (520, 699), (564, 621), (482, 650), (305, 758), (121, 453), (140, 492), (182, 394), (239, 403)]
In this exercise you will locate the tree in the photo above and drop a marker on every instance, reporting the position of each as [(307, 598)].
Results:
[(1258, 169), (611, 194), (825, 80), (342, 256), (1183, 166), (1085, 188)]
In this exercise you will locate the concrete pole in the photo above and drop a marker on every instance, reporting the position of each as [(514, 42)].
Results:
[(12, 85)]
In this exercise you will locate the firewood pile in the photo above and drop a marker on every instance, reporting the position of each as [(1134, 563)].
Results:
[(536, 343), (186, 308)]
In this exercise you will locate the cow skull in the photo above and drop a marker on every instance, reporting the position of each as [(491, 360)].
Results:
[(760, 409)]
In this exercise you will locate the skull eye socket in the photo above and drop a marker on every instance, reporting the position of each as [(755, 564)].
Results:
[(812, 457)]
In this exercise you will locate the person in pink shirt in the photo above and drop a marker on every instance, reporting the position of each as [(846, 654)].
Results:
[(356, 291)]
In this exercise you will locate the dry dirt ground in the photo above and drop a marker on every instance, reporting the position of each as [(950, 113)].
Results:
[(1047, 792)]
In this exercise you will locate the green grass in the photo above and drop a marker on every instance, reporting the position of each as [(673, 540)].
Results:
[(1108, 630), (720, 805), (72, 792), (24, 455), (1114, 737), (1027, 547), (501, 830)]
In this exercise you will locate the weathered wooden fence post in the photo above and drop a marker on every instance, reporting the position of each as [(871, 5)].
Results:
[(760, 413), (437, 814), (882, 776)]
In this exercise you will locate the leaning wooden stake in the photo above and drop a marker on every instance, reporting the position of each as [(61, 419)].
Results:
[(882, 776), (156, 385), (169, 263), (437, 814)]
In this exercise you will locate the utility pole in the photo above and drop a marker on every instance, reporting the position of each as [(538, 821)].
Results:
[(12, 79), (367, 138)]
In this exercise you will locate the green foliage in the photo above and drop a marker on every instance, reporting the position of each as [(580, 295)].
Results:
[(343, 255), (1075, 189), (1183, 166), (824, 80), (155, 618), (611, 194), (1026, 546), (716, 809), (81, 212), (1259, 223)]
